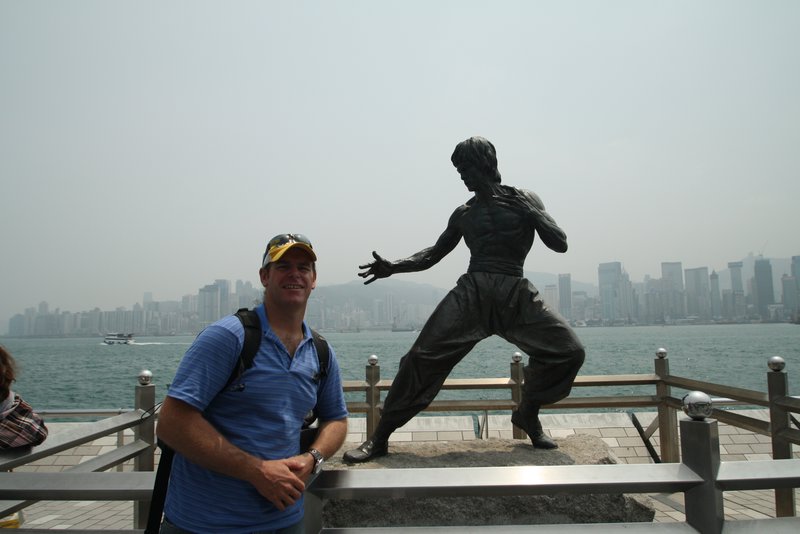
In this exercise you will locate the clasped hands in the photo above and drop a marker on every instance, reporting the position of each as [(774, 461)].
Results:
[(282, 482)]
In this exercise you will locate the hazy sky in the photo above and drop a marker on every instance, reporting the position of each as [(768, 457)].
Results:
[(156, 146)]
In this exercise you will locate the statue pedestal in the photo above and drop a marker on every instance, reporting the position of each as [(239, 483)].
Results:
[(515, 510)]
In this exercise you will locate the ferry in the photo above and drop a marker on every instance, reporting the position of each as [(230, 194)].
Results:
[(114, 338)]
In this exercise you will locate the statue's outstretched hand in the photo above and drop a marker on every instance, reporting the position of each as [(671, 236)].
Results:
[(380, 268)]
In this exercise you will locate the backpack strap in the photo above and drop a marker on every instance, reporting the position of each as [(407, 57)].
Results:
[(159, 489), (252, 340), (323, 353)]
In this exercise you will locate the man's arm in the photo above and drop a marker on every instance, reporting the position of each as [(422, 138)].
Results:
[(330, 437), (424, 259), (183, 427)]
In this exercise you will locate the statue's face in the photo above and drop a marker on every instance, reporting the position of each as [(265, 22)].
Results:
[(472, 177)]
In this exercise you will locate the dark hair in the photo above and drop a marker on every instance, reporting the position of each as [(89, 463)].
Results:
[(8, 369), (479, 152)]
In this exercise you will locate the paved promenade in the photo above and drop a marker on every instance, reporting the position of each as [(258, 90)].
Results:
[(616, 429)]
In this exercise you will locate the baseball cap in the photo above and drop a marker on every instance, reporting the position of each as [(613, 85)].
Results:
[(279, 244)]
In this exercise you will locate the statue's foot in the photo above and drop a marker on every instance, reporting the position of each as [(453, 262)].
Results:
[(533, 428), (367, 451), (540, 440)]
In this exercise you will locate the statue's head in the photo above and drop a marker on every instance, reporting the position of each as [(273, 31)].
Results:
[(478, 152)]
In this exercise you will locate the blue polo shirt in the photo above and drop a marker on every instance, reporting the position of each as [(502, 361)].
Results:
[(261, 412)]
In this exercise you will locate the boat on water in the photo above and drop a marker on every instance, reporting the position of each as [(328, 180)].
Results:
[(116, 338)]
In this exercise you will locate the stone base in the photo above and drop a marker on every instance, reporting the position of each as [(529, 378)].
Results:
[(515, 510)]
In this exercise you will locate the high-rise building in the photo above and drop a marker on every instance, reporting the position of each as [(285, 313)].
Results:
[(764, 292), (698, 293), (565, 295), (790, 296), (735, 308), (795, 270), (616, 293), (550, 296), (208, 304), (673, 299), (579, 304), (735, 268), (716, 300), (225, 305)]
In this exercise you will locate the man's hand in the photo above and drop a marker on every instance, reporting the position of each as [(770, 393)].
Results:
[(278, 482), (380, 268)]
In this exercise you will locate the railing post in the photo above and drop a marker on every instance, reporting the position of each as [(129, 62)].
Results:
[(373, 373), (778, 387), (700, 447), (517, 377), (667, 417), (145, 399)]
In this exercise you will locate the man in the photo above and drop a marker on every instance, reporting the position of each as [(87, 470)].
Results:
[(498, 225), (238, 466)]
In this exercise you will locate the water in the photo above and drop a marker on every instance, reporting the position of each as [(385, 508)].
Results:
[(86, 373)]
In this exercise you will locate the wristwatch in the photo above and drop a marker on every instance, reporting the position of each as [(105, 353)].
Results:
[(318, 460)]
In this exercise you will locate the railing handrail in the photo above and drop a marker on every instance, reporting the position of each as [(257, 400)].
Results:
[(73, 437), (504, 481), (82, 412)]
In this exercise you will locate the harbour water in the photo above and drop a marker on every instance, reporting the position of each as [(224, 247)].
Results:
[(78, 373)]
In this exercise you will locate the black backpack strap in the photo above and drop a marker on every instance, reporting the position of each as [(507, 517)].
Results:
[(252, 340), (323, 353), (159, 489), (324, 357)]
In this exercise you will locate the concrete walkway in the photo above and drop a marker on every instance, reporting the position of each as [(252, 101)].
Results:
[(616, 429)]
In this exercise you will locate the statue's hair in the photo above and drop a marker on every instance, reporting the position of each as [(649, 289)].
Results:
[(7, 372), (479, 152)]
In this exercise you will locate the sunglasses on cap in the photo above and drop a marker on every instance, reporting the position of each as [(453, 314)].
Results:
[(279, 244)]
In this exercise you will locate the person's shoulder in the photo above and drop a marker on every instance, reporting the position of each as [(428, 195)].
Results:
[(465, 206), (527, 193), (516, 191), (228, 326), (230, 323)]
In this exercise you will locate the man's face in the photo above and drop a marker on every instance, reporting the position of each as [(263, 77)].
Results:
[(472, 177), (291, 279)]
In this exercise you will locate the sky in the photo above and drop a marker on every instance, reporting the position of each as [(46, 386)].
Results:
[(156, 146)]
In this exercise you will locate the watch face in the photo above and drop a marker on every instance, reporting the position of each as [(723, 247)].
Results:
[(318, 460)]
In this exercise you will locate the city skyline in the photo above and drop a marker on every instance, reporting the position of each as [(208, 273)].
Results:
[(157, 147), (700, 294)]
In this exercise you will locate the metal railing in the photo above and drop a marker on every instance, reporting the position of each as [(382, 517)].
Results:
[(136, 486), (663, 400), (701, 476), (141, 450)]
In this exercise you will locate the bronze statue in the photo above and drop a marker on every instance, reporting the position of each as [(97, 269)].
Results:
[(498, 225)]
